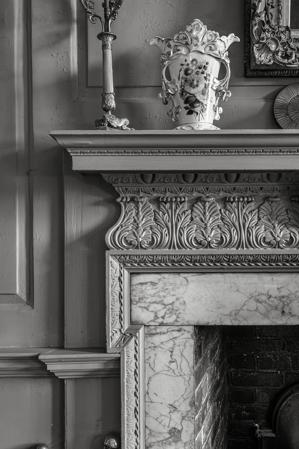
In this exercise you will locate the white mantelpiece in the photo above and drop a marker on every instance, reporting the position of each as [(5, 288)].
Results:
[(181, 150), (218, 205)]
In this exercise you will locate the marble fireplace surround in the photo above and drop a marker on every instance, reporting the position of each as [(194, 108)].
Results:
[(208, 235)]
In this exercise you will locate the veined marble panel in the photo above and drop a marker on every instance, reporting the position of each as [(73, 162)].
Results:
[(215, 298), (169, 369)]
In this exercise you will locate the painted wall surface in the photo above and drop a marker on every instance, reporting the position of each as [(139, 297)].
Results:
[(50, 61), (137, 69)]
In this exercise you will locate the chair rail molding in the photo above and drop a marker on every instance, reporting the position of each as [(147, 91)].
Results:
[(63, 363), (67, 364)]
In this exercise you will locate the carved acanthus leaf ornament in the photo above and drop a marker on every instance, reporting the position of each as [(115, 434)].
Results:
[(232, 214)]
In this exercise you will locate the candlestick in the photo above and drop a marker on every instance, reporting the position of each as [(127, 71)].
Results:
[(110, 12)]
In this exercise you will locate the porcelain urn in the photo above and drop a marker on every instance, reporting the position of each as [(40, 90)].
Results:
[(192, 63)]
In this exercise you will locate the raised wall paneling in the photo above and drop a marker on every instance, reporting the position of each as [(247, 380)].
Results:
[(39, 92), (15, 143), (33, 413), (92, 410)]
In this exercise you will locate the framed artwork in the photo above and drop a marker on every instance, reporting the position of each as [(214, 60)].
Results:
[(272, 38)]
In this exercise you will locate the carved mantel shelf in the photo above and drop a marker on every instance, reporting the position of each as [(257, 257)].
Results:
[(174, 150), (222, 190)]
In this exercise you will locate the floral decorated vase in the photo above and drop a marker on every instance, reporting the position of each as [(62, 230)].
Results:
[(191, 63)]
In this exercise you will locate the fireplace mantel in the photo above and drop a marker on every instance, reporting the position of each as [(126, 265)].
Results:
[(226, 180), (208, 235), (252, 149)]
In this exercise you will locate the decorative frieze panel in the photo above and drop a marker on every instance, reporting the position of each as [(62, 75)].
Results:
[(206, 210)]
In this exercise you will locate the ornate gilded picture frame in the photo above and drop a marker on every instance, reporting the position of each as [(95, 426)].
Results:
[(272, 38)]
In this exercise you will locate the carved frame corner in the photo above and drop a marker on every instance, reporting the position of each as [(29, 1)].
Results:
[(282, 35)]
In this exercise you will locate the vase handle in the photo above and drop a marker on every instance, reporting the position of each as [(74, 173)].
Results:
[(168, 86), (222, 87)]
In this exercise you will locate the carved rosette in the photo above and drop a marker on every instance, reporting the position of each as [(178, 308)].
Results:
[(248, 211)]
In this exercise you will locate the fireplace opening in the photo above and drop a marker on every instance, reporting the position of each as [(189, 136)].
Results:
[(216, 385), (241, 374)]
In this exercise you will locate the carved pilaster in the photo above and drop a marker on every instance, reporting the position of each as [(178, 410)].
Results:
[(133, 389), (115, 305), (250, 211)]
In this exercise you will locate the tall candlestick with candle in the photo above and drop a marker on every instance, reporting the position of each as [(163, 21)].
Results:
[(110, 11)]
